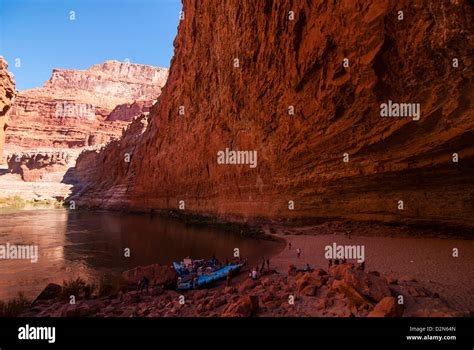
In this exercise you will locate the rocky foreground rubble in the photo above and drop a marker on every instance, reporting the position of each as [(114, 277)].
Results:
[(343, 291)]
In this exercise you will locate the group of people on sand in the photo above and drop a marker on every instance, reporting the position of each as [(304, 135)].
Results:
[(298, 250), (260, 270), (331, 262), (307, 267), (292, 270)]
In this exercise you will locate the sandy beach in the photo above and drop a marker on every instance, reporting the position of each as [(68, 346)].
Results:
[(428, 260)]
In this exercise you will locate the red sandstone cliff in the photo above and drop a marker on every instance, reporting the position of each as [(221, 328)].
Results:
[(72, 109), (300, 63), (7, 94)]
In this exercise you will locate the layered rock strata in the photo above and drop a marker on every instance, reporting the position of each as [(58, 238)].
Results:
[(7, 94), (72, 109), (306, 86)]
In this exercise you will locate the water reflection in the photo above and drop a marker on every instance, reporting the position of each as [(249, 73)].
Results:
[(91, 244)]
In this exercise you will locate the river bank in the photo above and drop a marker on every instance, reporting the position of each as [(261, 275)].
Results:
[(429, 261), (338, 291), (343, 291), (96, 245), (410, 260)]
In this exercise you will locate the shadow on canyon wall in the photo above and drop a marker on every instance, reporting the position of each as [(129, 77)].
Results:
[(306, 94)]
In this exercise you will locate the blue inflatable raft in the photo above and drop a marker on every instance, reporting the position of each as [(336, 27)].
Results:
[(186, 281)]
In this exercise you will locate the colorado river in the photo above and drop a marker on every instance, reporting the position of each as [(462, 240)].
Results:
[(92, 245)]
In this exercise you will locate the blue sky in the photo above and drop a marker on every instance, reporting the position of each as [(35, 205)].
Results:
[(41, 34)]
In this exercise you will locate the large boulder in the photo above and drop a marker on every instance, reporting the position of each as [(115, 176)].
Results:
[(370, 285), (349, 292), (242, 307), (82, 309), (387, 307), (131, 298), (52, 291), (338, 271), (308, 279), (248, 284), (378, 287), (157, 274), (309, 290)]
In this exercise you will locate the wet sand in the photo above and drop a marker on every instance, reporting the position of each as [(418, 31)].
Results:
[(429, 260)]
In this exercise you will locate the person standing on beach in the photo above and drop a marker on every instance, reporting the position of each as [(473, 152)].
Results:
[(289, 245), (298, 252), (254, 274)]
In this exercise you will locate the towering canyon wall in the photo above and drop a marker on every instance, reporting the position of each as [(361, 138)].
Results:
[(72, 109), (7, 94), (242, 67)]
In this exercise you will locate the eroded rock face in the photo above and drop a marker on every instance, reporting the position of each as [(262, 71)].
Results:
[(41, 166), (127, 111), (121, 80), (240, 70), (72, 109), (87, 161), (7, 94)]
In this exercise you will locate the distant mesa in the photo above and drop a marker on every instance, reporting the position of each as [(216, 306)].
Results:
[(49, 127), (72, 109)]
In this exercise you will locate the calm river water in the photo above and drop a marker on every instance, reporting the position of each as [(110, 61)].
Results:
[(92, 245)]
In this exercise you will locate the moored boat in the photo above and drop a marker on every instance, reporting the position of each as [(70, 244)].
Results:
[(194, 274)]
